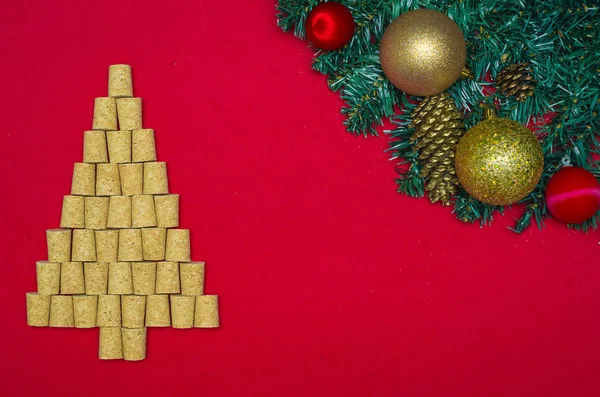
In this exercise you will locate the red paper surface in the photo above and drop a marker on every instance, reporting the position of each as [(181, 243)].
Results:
[(331, 284)]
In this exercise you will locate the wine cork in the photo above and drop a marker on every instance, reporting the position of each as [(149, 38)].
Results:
[(85, 308), (130, 245), (96, 278), (120, 84), (153, 243), (132, 176), (111, 344), (105, 114), (84, 246), (73, 213), (178, 245), (71, 278), (119, 212), (107, 245), (94, 147), (119, 278), (192, 278), (133, 310), (182, 311), (167, 210), (61, 311), (167, 278), (84, 179), (109, 311), (143, 213), (144, 277), (207, 311), (157, 311), (143, 146), (129, 111), (38, 309), (107, 180), (119, 146), (134, 344), (155, 178), (59, 245), (48, 277), (96, 212)]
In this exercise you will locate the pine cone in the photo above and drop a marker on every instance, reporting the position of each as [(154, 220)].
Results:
[(516, 80), (438, 128)]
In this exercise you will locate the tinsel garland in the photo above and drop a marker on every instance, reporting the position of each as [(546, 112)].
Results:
[(560, 39)]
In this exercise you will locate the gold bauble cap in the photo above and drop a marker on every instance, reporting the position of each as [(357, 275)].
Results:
[(423, 52)]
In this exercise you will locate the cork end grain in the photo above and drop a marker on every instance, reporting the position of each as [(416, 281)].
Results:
[(84, 246), (96, 212), (132, 176), (84, 179), (119, 146), (130, 245), (71, 278), (105, 114), (107, 245), (61, 311), (48, 277), (134, 343), (133, 310), (96, 278), (143, 213), (155, 178), (178, 245), (153, 243), (109, 311), (38, 309), (59, 245), (157, 311), (192, 278), (167, 278), (85, 309), (108, 182), (120, 83), (119, 278), (144, 277), (73, 213), (207, 311), (182, 311), (119, 212), (129, 112), (167, 210), (111, 343), (95, 149), (143, 146)]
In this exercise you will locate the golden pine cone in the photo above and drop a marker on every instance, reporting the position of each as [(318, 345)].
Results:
[(516, 80), (438, 128)]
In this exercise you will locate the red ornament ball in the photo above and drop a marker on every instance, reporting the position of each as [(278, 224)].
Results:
[(329, 26), (573, 195)]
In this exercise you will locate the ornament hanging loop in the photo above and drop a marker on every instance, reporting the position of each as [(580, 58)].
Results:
[(467, 73), (489, 111)]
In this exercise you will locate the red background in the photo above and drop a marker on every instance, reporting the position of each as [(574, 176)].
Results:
[(330, 282)]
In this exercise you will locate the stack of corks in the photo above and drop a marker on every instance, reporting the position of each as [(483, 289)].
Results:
[(118, 260)]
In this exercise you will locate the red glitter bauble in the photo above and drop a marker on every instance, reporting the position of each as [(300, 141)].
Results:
[(329, 26), (573, 195)]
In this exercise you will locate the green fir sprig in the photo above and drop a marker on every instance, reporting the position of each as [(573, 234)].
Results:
[(559, 38)]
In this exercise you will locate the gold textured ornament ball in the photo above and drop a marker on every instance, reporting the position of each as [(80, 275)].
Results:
[(423, 52), (499, 161)]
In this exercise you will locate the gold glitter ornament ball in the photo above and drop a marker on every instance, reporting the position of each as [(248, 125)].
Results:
[(423, 52), (499, 161)]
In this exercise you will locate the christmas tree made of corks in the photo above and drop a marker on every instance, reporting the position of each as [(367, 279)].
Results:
[(118, 261)]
